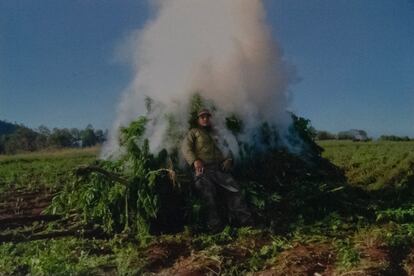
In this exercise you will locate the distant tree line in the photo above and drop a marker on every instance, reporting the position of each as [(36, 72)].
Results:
[(356, 135), (353, 134), (394, 138), (22, 139)]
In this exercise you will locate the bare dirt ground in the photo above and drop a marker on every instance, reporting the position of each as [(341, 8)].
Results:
[(18, 203), (310, 259), (21, 209), (22, 218)]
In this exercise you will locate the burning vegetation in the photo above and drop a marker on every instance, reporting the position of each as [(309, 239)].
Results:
[(143, 193)]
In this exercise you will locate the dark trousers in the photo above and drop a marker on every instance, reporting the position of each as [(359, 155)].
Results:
[(215, 184)]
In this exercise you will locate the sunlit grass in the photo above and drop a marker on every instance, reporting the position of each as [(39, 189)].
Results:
[(374, 165), (53, 153), (44, 169)]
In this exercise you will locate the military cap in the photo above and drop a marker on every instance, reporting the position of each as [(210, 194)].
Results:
[(204, 111)]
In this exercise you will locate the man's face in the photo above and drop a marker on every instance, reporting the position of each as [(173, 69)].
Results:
[(204, 120)]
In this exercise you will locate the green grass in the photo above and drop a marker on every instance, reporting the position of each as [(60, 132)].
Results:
[(47, 169), (373, 165), (66, 256)]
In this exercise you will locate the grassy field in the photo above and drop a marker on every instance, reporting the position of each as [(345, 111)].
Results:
[(377, 239), (47, 169), (373, 165)]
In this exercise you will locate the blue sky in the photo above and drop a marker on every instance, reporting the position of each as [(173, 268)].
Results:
[(354, 58)]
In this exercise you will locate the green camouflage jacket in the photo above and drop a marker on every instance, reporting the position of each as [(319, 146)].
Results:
[(201, 144)]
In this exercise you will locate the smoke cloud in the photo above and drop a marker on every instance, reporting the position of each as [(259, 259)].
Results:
[(221, 48)]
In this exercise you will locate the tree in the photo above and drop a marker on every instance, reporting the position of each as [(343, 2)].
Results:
[(100, 136), (23, 139), (76, 136), (2, 141), (353, 134), (88, 137), (324, 135), (44, 130), (7, 128), (41, 141), (61, 138), (393, 138)]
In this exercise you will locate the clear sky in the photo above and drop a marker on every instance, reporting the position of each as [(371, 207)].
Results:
[(355, 60)]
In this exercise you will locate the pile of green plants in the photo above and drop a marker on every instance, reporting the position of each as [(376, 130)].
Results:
[(143, 193)]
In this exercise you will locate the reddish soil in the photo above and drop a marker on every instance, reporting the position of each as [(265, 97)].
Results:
[(377, 258), (243, 249), (21, 203), (311, 259), (194, 265), (21, 214), (409, 263), (163, 254)]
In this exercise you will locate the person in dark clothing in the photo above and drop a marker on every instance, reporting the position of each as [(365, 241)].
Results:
[(201, 150)]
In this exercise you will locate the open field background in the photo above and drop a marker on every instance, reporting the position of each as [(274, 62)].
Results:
[(373, 165), (378, 239), (40, 170)]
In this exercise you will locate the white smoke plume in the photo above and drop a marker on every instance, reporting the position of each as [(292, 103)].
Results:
[(221, 48)]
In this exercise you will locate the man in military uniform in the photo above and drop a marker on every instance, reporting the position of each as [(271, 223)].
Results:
[(212, 167)]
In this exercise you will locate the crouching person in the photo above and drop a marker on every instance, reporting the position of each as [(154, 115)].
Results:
[(212, 178)]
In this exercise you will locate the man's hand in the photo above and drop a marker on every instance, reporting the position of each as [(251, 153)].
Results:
[(227, 165), (198, 167)]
